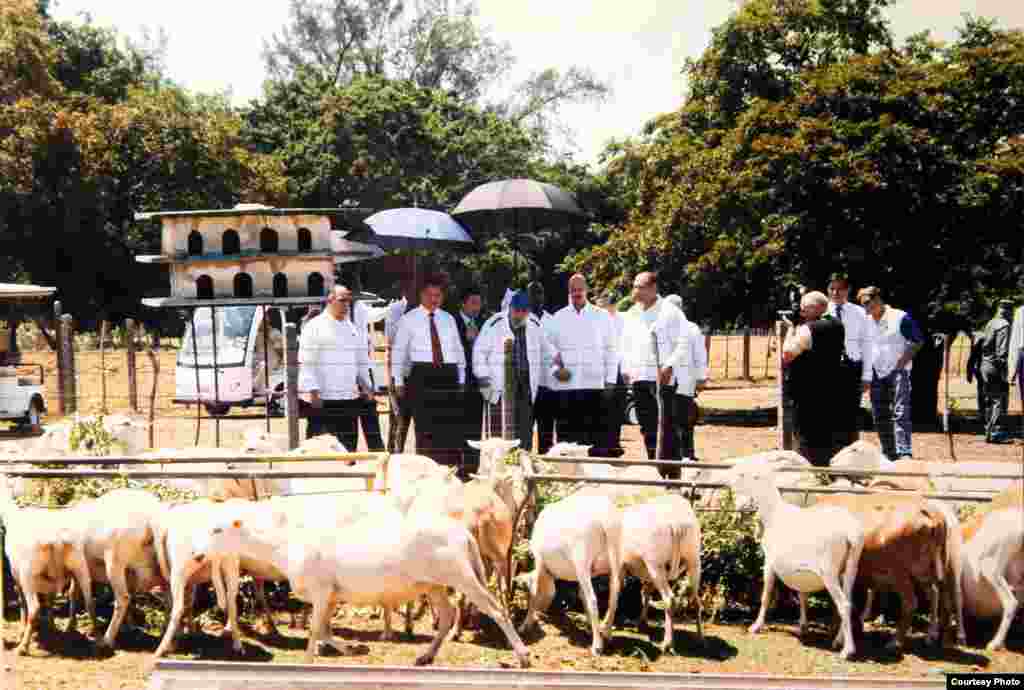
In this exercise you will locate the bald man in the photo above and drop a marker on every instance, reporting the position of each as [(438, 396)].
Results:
[(585, 338), (813, 353)]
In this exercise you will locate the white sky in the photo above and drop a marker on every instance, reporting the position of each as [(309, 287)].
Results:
[(640, 45)]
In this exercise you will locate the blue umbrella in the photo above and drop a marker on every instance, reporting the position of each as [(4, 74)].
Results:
[(414, 228)]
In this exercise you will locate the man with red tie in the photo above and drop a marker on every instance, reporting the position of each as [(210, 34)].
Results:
[(429, 368)]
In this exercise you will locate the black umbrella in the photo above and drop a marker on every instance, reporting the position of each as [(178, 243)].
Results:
[(494, 206)]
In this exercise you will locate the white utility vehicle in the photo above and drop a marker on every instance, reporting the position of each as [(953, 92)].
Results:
[(21, 385)]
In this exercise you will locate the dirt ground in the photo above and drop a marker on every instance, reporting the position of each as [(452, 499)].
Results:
[(62, 662)]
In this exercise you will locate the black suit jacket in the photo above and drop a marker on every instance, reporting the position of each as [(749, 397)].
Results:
[(467, 346)]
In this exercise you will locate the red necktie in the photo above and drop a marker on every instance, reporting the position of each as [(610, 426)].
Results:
[(435, 342)]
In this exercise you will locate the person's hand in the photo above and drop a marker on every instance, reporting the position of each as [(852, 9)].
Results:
[(314, 399), (563, 375), (626, 378), (702, 385), (364, 392), (865, 387), (399, 392), (665, 376)]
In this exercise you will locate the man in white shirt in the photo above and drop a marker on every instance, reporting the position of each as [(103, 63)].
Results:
[(692, 383), (531, 355), (582, 334), (614, 413), (429, 370), (398, 416), (1016, 356), (333, 366), (857, 364), (368, 418), (648, 370), (545, 406)]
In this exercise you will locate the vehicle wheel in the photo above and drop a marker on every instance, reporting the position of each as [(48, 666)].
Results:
[(34, 417), (217, 409)]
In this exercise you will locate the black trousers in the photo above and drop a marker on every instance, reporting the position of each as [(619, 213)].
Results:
[(370, 421), (435, 401), (613, 417), (682, 414), (473, 415), (579, 416), (545, 410), (645, 396), (337, 417), (818, 435), (850, 430)]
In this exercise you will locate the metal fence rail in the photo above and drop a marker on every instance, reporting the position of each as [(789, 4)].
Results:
[(204, 459), (831, 471), (682, 484)]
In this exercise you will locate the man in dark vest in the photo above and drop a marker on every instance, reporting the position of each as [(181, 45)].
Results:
[(994, 369), (468, 324), (814, 353)]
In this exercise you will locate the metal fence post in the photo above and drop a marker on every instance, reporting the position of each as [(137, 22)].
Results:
[(508, 396), (746, 354), (785, 414), (59, 352), (292, 386)]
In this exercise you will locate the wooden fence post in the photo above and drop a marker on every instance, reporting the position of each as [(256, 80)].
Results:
[(746, 354), (67, 346), (785, 414), (726, 377), (154, 358), (133, 383), (104, 330), (707, 349), (59, 351), (292, 386)]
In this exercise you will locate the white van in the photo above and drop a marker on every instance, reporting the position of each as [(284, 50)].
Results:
[(240, 366)]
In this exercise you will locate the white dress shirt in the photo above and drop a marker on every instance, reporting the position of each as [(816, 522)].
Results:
[(586, 343), (396, 310), (667, 321), (413, 344), (859, 334), (698, 369), (333, 358), (1016, 342), (618, 332), (489, 354)]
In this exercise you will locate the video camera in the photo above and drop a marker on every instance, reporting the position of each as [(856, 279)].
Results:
[(791, 296)]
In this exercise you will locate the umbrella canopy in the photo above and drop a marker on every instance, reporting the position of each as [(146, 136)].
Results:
[(414, 228), (347, 251), (520, 206)]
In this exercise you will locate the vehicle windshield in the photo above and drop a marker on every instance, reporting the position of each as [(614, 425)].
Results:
[(233, 327)]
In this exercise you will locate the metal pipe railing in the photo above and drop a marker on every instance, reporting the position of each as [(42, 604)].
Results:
[(171, 474), (831, 471), (170, 460), (682, 484)]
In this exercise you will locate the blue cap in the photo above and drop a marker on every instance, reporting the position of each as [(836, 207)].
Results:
[(520, 300)]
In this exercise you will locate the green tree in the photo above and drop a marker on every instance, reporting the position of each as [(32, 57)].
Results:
[(903, 167)]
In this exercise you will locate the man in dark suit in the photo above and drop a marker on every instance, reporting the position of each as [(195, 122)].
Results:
[(814, 354), (468, 323)]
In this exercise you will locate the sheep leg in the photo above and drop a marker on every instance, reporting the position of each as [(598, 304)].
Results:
[(869, 607), (908, 605), (260, 587), (766, 597), (614, 550), (179, 585), (660, 580), (118, 579), (73, 595), (445, 619), (590, 603), (845, 611), (994, 570), (30, 618), (321, 610), (691, 560), (230, 572), (469, 584), (542, 593), (388, 633), (803, 612)]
